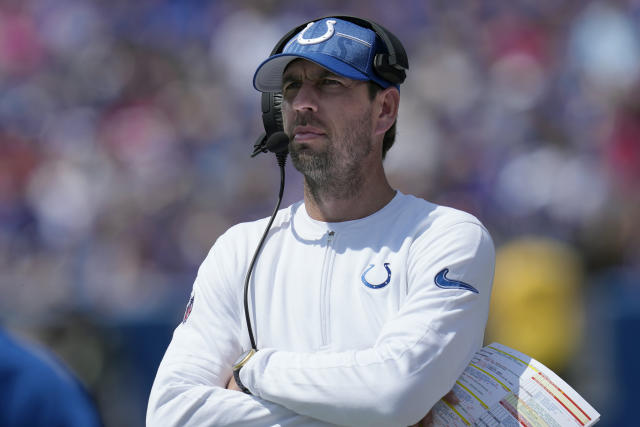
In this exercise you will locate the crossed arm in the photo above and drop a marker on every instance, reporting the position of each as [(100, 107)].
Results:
[(425, 422)]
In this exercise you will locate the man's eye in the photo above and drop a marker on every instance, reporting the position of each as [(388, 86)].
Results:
[(331, 82), (290, 86)]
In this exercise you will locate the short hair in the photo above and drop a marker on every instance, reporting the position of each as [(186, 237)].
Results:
[(390, 135)]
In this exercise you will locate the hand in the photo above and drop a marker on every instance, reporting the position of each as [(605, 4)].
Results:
[(231, 385), (428, 419)]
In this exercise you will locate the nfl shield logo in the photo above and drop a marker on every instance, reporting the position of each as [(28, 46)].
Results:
[(187, 312)]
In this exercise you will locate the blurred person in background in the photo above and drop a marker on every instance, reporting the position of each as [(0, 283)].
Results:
[(368, 303), (37, 390), (537, 304)]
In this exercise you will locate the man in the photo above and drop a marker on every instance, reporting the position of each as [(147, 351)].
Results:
[(367, 303)]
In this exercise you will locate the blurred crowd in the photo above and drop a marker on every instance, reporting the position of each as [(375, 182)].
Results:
[(126, 129)]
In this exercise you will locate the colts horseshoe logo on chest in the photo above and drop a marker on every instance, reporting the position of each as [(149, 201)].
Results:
[(379, 285)]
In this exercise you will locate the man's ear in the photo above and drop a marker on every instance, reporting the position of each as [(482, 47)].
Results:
[(387, 102)]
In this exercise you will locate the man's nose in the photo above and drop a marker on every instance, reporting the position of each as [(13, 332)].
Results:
[(306, 99)]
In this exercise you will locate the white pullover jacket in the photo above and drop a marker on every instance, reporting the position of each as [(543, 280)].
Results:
[(366, 322)]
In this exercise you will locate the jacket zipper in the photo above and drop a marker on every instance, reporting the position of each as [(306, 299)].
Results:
[(325, 288)]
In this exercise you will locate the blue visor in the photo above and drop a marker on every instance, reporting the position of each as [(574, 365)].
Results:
[(342, 47)]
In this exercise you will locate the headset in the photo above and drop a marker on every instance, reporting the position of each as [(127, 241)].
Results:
[(390, 64)]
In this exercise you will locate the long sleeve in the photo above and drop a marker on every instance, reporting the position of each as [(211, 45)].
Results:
[(189, 389), (418, 355)]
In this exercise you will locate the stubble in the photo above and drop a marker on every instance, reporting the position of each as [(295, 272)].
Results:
[(335, 172)]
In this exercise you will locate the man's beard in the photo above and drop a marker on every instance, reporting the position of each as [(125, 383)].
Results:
[(335, 172)]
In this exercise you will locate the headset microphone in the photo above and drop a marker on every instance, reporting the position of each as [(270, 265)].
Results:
[(278, 143)]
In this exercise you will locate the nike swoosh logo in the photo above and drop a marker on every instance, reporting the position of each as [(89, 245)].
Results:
[(444, 283)]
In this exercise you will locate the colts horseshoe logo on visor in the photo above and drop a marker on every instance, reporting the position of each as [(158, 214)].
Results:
[(325, 36)]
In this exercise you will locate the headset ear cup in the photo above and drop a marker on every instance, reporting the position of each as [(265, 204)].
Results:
[(272, 112), (277, 111), (388, 71)]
